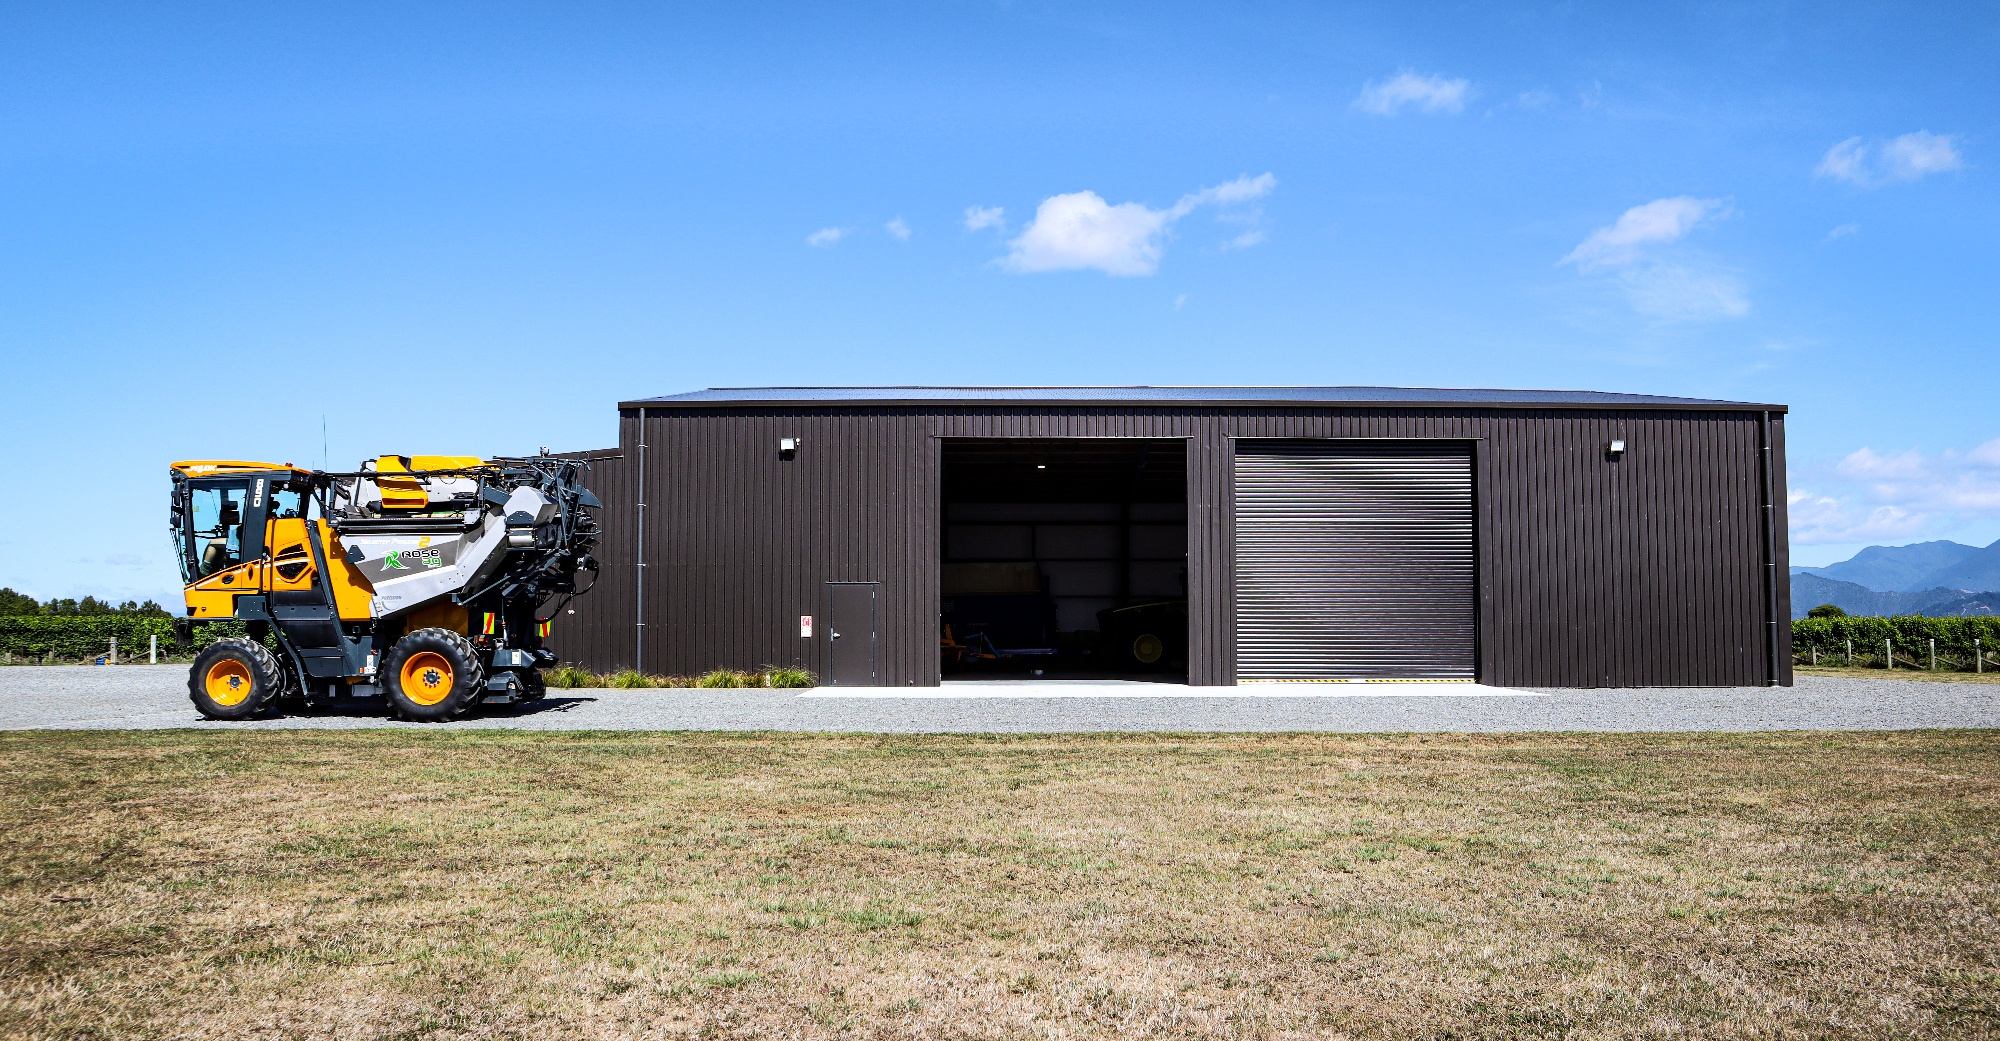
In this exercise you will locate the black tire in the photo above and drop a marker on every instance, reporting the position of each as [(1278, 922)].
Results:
[(447, 700), (1146, 649), (235, 678)]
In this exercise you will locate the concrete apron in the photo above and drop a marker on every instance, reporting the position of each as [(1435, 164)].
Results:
[(1017, 689)]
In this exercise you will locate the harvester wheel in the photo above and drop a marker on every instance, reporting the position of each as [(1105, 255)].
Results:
[(432, 675), (234, 679), (1148, 649)]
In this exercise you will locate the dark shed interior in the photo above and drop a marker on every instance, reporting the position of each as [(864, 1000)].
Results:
[(1064, 557)]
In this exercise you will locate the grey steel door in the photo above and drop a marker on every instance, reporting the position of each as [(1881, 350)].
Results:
[(850, 631), (1354, 561)]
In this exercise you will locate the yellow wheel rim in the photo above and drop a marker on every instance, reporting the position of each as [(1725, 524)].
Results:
[(228, 682), (427, 677), (1148, 648)]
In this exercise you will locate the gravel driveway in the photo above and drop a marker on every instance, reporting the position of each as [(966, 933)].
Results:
[(145, 697)]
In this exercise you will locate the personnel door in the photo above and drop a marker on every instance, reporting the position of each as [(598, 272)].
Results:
[(851, 616)]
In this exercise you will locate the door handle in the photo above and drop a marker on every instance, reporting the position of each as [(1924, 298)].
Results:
[(836, 636)]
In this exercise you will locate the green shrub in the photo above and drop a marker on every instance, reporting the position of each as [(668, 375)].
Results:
[(60, 639), (787, 676), (1827, 611), (629, 680), (723, 678)]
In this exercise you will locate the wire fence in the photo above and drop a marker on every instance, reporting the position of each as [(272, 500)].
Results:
[(1962, 644)]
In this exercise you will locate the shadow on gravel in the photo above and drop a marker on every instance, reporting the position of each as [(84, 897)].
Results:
[(373, 708)]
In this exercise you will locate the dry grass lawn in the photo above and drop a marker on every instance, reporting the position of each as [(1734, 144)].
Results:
[(500, 885)]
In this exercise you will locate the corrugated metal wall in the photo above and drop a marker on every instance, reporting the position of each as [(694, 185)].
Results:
[(1646, 570)]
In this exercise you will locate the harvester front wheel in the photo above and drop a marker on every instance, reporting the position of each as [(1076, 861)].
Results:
[(234, 679), (432, 675)]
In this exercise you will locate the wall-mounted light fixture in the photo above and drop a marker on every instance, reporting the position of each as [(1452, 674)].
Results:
[(1615, 449), (787, 447)]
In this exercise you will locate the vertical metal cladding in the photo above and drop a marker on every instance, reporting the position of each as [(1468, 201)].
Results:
[(1644, 568), (1354, 561)]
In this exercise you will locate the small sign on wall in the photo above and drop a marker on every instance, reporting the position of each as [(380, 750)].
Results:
[(805, 627)]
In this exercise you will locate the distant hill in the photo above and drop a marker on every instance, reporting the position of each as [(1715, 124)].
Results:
[(1979, 569), (1810, 591), (1901, 568)]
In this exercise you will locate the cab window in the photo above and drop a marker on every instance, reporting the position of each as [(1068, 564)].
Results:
[(215, 538), (285, 504)]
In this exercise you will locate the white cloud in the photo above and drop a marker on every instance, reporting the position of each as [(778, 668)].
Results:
[(897, 229), (977, 217), (1537, 98), (1819, 519), (1913, 155), (1906, 158), (1654, 223), (1080, 231), (1846, 161), (1411, 91), (1656, 285), (1180, 301), (826, 236), (1841, 232), (1880, 495)]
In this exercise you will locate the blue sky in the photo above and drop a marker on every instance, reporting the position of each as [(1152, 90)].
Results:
[(474, 228)]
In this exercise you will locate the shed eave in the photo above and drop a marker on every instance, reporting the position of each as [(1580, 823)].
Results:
[(1185, 404)]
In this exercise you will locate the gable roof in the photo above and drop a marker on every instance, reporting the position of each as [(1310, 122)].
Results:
[(1213, 396)]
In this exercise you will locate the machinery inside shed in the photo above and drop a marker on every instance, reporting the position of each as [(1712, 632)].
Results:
[(1064, 557)]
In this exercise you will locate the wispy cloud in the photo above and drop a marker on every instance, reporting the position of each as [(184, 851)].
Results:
[(1907, 158), (1631, 251), (1080, 231), (977, 217), (897, 229), (1408, 91), (1841, 232), (826, 236), (1818, 519), (1654, 223), (1872, 494)]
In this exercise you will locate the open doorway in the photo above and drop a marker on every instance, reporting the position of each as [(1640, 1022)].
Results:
[(1064, 558)]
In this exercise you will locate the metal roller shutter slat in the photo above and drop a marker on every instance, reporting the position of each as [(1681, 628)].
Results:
[(1354, 562)]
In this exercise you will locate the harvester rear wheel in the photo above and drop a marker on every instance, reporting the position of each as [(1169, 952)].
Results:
[(432, 675), (234, 679)]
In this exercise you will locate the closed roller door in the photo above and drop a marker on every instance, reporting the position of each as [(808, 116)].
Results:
[(1354, 562)]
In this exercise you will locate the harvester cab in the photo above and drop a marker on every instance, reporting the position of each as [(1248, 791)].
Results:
[(429, 581)]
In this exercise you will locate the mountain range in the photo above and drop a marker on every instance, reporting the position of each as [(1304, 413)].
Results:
[(1927, 578)]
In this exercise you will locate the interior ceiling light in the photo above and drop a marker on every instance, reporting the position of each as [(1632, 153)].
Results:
[(1041, 466)]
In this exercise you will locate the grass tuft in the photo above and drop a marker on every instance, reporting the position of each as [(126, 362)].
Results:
[(569, 677), (787, 676)]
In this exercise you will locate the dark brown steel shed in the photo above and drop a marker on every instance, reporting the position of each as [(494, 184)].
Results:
[(1533, 538)]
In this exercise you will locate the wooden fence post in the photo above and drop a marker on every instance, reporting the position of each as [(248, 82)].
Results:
[(1850, 652), (114, 651), (1888, 654), (1933, 654), (153, 649)]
